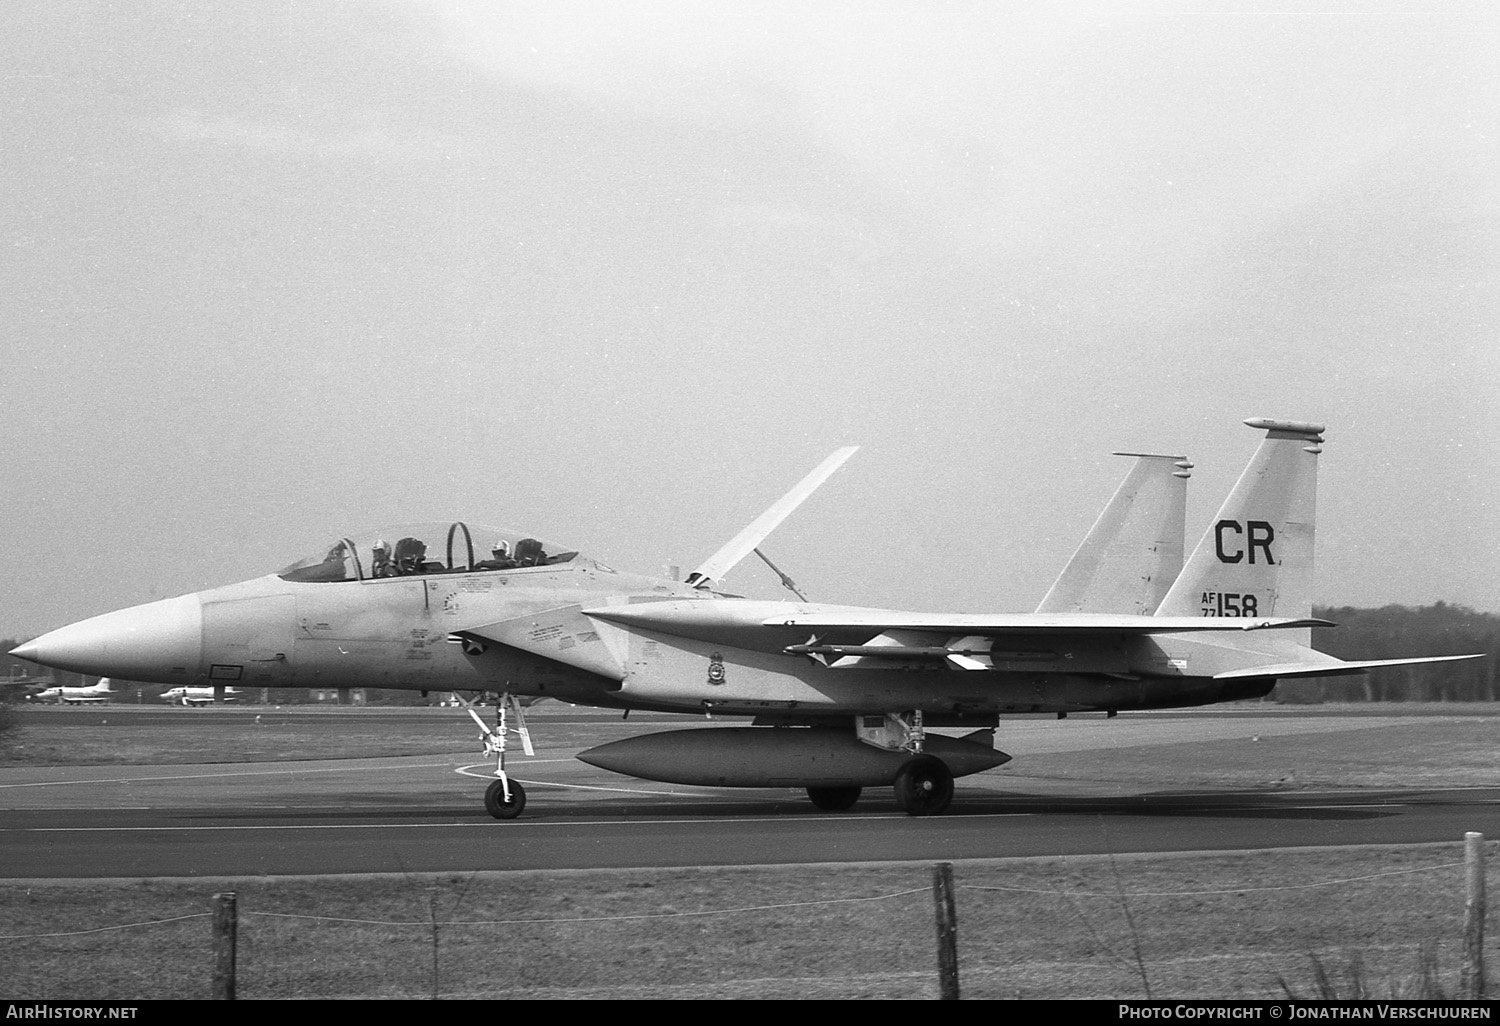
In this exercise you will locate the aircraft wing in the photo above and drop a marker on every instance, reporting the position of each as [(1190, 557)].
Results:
[(691, 616), (742, 544), (846, 637), (1021, 623)]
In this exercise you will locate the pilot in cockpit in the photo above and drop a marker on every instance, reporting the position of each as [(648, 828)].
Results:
[(499, 558), (529, 552), (380, 560), (410, 556)]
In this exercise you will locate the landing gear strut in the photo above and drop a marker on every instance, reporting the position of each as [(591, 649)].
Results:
[(924, 784)]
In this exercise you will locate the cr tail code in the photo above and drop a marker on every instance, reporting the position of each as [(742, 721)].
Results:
[(1235, 542)]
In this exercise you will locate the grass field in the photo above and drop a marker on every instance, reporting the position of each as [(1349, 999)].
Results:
[(157, 735), (1239, 925), (1188, 926)]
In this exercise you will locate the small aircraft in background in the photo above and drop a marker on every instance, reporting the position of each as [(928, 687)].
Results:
[(187, 695), (94, 694), (841, 697)]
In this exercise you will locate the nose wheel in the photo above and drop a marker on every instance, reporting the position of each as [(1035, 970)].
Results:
[(502, 805), (504, 798)]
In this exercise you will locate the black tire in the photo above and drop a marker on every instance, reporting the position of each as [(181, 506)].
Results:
[(833, 799), (924, 787), (496, 805)]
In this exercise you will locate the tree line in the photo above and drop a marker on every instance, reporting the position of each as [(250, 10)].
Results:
[(1398, 632)]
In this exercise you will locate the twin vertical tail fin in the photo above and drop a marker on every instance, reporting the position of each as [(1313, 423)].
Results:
[(1256, 559), (1133, 552)]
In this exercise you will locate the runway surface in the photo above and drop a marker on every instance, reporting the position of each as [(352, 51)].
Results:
[(424, 814)]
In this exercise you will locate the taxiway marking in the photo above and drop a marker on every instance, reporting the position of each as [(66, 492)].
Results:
[(489, 775), (279, 771), (632, 822)]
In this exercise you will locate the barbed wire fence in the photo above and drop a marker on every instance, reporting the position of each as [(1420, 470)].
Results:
[(1099, 926)]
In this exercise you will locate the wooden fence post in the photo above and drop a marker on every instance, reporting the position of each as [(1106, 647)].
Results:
[(226, 926), (1472, 982), (947, 930)]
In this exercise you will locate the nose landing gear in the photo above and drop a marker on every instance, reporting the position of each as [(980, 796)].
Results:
[(504, 798)]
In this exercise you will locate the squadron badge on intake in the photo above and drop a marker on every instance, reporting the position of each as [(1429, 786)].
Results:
[(716, 669)]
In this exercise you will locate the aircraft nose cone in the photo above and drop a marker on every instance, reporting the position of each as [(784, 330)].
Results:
[(159, 641)]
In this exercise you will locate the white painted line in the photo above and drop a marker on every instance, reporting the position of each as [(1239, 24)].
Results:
[(489, 774), (514, 824), (281, 770)]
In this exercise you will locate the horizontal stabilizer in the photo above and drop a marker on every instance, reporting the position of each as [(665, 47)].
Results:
[(1338, 668)]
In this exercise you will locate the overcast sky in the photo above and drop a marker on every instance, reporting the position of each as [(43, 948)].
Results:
[(618, 274)]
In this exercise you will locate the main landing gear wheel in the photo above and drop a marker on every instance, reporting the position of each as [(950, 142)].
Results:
[(924, 787), (833, 799), (496, 805)]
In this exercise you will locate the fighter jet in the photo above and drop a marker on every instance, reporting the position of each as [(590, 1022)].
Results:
[(841, 697), (94, 694)]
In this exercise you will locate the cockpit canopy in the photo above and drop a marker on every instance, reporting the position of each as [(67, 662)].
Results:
[(411, 550)]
